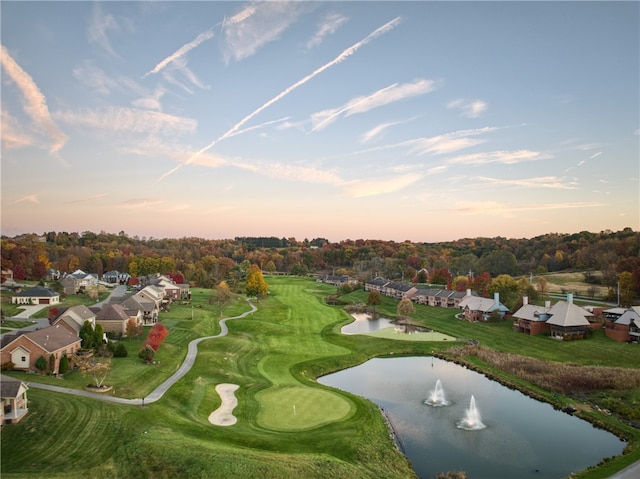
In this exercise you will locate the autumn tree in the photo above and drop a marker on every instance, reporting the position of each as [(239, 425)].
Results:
[(255, 284), (440, 276), (625, 288), (405, 308), (542, 287), (270, 267), (146, 353), (373, 300), (96, 368), (156, 336), (460, 283), (222, 295), (133, 329)]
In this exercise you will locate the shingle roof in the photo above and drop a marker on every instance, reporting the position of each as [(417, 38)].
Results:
[(37, 292), (567, 314), (532, 312), (628, 317), (112, 312), (52, 338), (10, 387)]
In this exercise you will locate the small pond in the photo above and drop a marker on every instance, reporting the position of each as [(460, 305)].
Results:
[(522, 437), (363, 324)]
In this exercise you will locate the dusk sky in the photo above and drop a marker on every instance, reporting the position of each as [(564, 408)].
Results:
[(421, 121)]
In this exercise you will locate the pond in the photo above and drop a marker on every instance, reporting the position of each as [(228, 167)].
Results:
[(521, 437), (363, 324)]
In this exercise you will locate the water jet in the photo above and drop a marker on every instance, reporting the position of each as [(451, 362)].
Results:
[(471, 420)]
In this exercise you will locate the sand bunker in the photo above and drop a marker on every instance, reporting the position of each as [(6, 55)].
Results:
[(223, 416)]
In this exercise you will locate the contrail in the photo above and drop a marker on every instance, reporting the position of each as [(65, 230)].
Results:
[(182, 51), (340, 58)]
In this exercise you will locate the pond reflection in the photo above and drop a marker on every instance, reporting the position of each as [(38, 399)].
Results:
[(363, 323), (522, 437)]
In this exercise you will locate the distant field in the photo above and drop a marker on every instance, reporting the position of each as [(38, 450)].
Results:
[(571, 283)]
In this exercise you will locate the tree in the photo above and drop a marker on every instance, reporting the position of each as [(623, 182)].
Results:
[(499, 262), (405, 308), (146, 353), (542, 287), (156, 336), (222, 295), (625, 285), (133, 329), (373, 300), (460, 283), (96, 369), (120, 350), (256, 285), (41, 364), (507, 288), (87, 335), (270, 267), (64, 364)]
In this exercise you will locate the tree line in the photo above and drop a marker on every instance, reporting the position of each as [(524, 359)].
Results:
[(603, 256)]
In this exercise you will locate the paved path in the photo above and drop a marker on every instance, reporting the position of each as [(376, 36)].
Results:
[(631, 472), (157, 393)]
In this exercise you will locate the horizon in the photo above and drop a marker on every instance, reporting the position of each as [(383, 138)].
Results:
[(412, 121)]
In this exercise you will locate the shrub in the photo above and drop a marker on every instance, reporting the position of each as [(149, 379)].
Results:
[(8, 366), (120, 351)]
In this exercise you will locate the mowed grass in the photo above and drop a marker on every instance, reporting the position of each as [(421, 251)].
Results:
[(269, 355)]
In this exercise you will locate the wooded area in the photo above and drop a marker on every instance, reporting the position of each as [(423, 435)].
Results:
[(203, 262)]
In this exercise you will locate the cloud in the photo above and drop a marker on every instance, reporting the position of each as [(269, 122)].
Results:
[(35, 103), (138, 203), (379, 186), (468, 109), (378, 130), (256, 25), (551, 182), (130, 120), (182, 51), (504, 157), (12, 135), (94, 77), (90, 199), (330, 24), (99, 28), (33, 198), (362, 104), (178, 70), (496, 208), (339, 59)]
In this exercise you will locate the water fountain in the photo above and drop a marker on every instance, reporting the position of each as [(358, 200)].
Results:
[(436, 398), (471, 420)]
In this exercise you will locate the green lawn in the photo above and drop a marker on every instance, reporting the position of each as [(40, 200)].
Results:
[(288, 425)]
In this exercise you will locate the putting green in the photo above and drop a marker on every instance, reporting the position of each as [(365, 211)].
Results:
[(294, 408), (391, 333)]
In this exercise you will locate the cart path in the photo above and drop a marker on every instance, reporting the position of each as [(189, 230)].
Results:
[(158, 392)]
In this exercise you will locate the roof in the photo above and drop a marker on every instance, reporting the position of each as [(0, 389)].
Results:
[(10, 387), (567, 314), (139, 303), (37, 292), (628, 317), (75, 316), (532, 312), (112, 312), (50, 339), (485, 305), (618, 311)]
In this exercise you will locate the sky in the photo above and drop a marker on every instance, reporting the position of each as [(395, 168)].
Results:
[(420, 121)]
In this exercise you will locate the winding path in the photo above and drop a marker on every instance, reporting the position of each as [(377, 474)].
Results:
[(158, 392)]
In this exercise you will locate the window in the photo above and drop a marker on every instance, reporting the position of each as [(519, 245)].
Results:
[(24, 358)]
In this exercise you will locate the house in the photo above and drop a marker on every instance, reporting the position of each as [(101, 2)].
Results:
[(442, 298), (36, 295), (337, 280), (24, 349), (13, 400), (475, 308), (626, 328), (114, 318), (6, 274), (116, 277), (568, 321), (152, 293), (74, 317), (70, 284), (375, 284), (399, 290), (532, 319), (145, 307)]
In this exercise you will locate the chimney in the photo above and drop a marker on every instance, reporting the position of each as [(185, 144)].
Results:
[(496, 297), (547, 304), (525, 300), (569, 297), (468, 292)]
